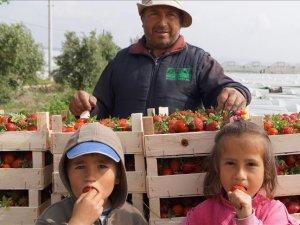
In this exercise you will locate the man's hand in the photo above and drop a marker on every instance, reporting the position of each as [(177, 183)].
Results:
[(80, 102), (231, 99)]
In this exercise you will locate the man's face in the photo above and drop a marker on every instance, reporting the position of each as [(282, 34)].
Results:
[(161, 26), (93, 170)]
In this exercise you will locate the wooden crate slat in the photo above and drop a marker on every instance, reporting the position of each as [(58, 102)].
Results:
[(296, 215), (287, 143), (175, 185), (25, 178), (59, 141), (24, 140), (136, 181), (172, 221), (138, 201), (21, 215), (132, 141), (56, 160), (288, 185), (173, 144)]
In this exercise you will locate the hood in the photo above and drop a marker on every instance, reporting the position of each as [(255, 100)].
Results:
[(96, 132)]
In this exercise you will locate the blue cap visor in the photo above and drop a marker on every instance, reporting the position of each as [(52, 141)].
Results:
[(92, 147)]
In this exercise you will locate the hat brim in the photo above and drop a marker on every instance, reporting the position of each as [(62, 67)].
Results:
[(186, 18), (92, 147)]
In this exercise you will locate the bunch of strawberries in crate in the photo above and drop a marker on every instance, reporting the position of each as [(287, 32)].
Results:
[(184, 165), (288, 164), (13, 198), (18, 122), (117, 124), (178, 207), (16, 159), (189, 121), (282, 123)]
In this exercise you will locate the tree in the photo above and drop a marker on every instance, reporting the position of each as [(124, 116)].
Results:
[(3, 1), (83, 59), (20, 57)]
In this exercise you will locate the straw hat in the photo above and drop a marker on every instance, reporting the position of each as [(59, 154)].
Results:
[(186, 19)]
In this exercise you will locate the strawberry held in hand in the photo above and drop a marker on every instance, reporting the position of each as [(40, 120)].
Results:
[(238, 187), (87, 189)]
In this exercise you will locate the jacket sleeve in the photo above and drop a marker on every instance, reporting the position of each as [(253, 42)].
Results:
[(274, 214), (104, 93), (211, 81), (278, 214)]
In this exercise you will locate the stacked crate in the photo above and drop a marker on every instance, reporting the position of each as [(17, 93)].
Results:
[(288, 185), (35, 181), (283, 145), (132, 143), (174, 145)]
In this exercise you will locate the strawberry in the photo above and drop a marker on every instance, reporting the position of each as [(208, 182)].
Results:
[(272, 131), (287, 130), (174, 165), (293, 207), (188, 166), (157, 118), (196, 124), (177, 210), (12, 202), (23, 201), (9, 158), (18, 163), (88, 188), (238, 187), (11, 127), (5, 165), (32, 128), (167, 171), (212, 126), (4, 119), (181, 126)]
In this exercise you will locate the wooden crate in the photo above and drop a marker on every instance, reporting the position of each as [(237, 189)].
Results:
[(25, 215), (191, 143), (22, 215), (167, 186), (174, 144), (26, 178), (132, 141), (28, 140)]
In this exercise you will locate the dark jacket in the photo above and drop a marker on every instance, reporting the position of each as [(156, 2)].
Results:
[(184, 77)]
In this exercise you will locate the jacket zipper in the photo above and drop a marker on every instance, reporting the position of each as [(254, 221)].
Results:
[(153, 76)]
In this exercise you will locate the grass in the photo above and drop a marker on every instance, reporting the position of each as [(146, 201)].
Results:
[(48, 97)]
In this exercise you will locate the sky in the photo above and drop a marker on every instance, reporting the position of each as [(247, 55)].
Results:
[(241, 31)]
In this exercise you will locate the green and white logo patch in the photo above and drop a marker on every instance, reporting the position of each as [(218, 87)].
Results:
[(184, 74)]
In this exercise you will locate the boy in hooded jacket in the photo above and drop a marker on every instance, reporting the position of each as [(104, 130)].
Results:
[(92, 169)]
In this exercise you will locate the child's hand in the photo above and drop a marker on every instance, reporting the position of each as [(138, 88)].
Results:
[(241, 201), (88, 208)]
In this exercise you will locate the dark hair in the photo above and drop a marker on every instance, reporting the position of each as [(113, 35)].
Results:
[(212, 184)]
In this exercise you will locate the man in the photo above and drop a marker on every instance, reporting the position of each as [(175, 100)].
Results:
[(161, 70)]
